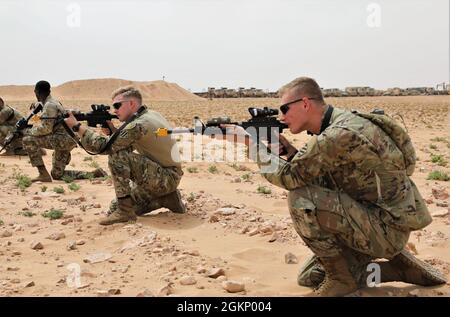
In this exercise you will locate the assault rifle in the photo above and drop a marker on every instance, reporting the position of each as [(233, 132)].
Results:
[(98, 116), (21, 125), (263, 125)]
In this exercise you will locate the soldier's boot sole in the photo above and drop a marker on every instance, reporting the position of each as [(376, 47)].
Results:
[(405, 267), (42, 179), (117, 218)]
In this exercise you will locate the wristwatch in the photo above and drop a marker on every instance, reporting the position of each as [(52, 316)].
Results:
[(76, 127)]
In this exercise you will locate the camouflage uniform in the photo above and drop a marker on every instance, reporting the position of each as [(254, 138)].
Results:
[(47, 135), (8, 120), (349, 188), (142, 166)]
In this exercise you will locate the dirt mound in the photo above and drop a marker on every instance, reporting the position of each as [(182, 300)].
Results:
[(15, 92), (101, 89)]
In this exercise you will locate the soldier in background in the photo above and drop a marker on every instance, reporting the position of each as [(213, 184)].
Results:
[(50, 136), (8, 119), (351, 198), (146, 170)]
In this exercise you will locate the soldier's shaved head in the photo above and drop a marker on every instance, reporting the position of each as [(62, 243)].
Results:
[(42, 87)]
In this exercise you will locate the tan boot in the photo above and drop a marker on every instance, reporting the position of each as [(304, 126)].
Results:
[(125, 213), (405, 267), (338, 279), (44, 176)]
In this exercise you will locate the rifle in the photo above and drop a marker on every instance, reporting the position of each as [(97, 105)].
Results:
[(263, 125), (98, 116), (20, 125)]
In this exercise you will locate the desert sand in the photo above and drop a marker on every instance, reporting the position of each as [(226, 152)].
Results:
[(230, 230)]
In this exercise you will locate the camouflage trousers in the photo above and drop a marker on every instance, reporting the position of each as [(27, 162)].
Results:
[(4, 131), (142, 178), (331, 223), (62, 145)]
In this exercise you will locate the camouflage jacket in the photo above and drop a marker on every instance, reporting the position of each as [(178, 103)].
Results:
[(355, 156), (9, 116), (52, 108), (139, 135)]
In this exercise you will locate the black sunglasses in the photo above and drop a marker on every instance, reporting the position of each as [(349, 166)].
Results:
[(285, 108), (118, 104)]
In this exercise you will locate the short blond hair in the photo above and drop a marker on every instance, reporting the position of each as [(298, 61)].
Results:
[(128, 91), (304, 86)]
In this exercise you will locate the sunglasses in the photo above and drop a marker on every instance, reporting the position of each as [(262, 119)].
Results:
[(285, 108), (118, 104)]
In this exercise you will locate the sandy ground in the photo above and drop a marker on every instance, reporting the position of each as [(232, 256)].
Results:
[(229, 225)]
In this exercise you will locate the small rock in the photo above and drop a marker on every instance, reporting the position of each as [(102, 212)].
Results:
[(440, 212), (439, 192), (37, 197), (15, 281), (226, 211), (72, 245), (36, 245), (201, 270), (253, 232), (80, 242), (244, 230), (97, 257), (188, 280), (6, 234), (96, 182), (114, 291), (56, 236), (13, 269), (216, 272), (165, 290), (213, 219), (97, 205), (274, 237), (442, 204), (221, 278), (146, 293), (30, 284), (290, 258), (21, 240), (102, 293), (414, 293), (233, 286)]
